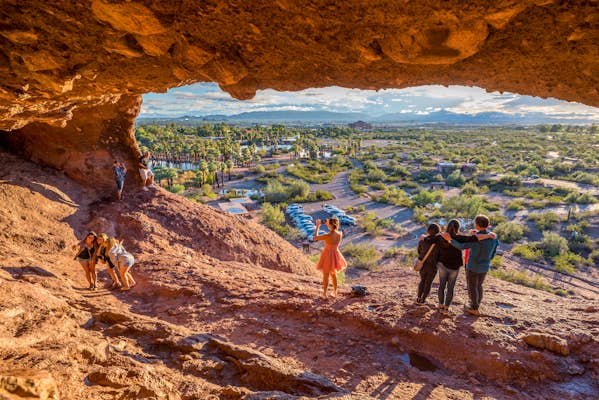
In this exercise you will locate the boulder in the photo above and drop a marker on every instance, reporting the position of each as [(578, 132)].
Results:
[(27, 384), (547, 341)]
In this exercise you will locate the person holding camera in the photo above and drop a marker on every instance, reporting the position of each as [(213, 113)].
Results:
[(331, 260)]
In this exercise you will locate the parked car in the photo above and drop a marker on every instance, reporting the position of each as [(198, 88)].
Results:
[(347, 220), (295, 214), (329, 208)]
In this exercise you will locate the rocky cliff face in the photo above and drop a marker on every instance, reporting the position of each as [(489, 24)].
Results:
[(87, 145)]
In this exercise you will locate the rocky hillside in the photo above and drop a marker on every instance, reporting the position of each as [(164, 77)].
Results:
[(224, 309)]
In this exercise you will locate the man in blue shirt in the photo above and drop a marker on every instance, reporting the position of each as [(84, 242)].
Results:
[(479, 262)]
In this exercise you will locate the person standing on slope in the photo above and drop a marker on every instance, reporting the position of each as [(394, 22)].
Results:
[(331, 260)]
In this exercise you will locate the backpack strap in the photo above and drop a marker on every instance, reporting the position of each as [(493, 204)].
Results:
[(430, 249)]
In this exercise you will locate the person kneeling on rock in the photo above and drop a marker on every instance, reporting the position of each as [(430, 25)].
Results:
[(123, 260), (102, 256)]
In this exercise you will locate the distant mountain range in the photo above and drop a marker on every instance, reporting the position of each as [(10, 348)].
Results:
[(326, 117)]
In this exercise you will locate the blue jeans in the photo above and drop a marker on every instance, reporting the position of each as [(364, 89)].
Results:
[(447, 277)]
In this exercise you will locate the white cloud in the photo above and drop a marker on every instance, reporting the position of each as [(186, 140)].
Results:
[(207, 98)]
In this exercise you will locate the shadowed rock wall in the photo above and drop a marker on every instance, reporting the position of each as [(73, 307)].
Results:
[(87, 146)]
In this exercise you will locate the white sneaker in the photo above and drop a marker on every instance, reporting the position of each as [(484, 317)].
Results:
[(145, 188)]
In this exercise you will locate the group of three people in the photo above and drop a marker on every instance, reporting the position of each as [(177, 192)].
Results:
[(442, 252), (95, 248)]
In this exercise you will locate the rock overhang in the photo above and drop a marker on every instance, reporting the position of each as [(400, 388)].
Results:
[(59, 60), (55, 56)]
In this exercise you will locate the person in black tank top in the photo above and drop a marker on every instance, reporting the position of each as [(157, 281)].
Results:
[(85, 255)]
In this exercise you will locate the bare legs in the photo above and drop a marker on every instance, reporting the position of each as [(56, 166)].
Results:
[(88, 275), (126, 277), (115, 278), (325, 284), (93, 274)]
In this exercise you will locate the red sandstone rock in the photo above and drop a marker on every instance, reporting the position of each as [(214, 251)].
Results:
[(57, 56), (18, 384), (547, 341), (207, 321)]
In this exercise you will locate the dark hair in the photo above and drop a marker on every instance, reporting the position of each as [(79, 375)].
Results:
[(334, 222), (453, 227), (433, 229), (482, 221)]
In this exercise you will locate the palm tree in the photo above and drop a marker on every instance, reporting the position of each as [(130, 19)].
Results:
[(229, 168)]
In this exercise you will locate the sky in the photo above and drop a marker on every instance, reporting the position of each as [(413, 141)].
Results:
[(207, 98)]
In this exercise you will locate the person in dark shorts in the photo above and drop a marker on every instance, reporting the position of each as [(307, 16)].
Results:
[(85, 255), (119, 174), (123, 260)]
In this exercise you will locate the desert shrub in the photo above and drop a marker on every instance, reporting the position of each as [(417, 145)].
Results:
[(425, 197), (470, 188), (515, 205), (207, 191), (552, 244), (176, 188), (259, 169), (527, 252), (455, 179), (579, 242), (275, 191), (594, 258), (464, 206), (272, 216), (355, 209), (497, 261), (585, 198), (377, 185), (393, 252), (535, 281), (374, 226), (396, 197), (361, 255), (567, 262), (497, 218), (544, 221), (376, 175), (509, 232), (510, 180)]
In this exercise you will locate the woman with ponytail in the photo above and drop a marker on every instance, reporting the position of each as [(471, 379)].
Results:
[(331, 260)]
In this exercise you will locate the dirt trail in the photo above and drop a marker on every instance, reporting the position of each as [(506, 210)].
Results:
[(206, 322)]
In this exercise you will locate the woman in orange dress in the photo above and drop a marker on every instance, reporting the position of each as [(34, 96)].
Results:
[(331, 260)]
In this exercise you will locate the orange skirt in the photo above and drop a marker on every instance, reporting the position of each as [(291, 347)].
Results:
[(331, 260)]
